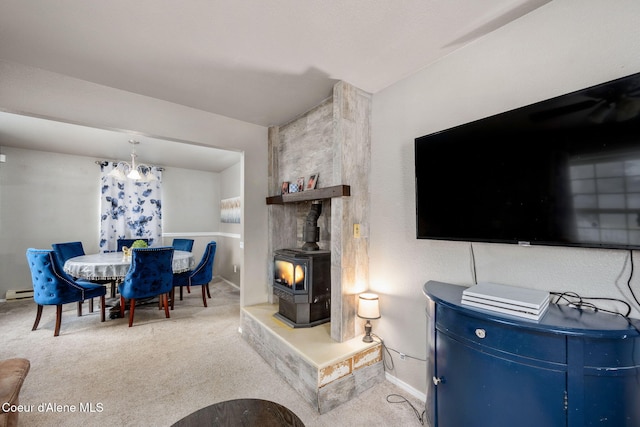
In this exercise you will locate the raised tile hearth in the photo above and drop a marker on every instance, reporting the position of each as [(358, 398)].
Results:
[(326, 373)]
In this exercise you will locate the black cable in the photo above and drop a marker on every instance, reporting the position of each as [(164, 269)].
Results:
[(391, 367), (575, 300), (419, 415), (629, 279), (474, 275)]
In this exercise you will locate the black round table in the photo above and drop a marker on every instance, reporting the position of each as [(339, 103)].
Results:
[(242, 412)]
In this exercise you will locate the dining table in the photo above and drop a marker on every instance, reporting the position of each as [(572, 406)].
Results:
[(115, 265), (112, 267)]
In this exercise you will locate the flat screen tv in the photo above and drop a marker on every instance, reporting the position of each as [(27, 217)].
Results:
[(565, 172)]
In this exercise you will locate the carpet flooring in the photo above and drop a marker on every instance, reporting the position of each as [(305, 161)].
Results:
[(160, 370)]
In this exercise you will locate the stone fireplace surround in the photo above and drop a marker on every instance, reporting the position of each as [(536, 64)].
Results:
[(333, 140)]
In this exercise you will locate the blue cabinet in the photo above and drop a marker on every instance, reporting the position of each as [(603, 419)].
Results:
[(572, 368)]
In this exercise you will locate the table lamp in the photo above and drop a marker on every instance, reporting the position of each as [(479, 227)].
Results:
[(368, 308)]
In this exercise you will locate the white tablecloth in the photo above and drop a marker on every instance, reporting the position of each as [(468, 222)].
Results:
[(113, 265)]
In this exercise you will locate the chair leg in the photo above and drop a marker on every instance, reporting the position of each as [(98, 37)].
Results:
[(80, 308), (38, 316), (121, 306), (208, 291), (102, 304), (172, 295), (58, 320), (180, 293), (204, 294), (132, 307), (113, 289), (91, 305), (165, 302), (188, 289)]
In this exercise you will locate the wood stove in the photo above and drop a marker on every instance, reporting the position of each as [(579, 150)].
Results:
[(302, 283)]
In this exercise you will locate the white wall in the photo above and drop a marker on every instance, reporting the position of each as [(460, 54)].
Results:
[(564, 46), (231, 265), (188, 188), (37, 92)]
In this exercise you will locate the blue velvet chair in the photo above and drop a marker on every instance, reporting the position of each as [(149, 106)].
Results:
[(65, 251), (121, 243), (150, 275), (182, 244), (199, 276), (52, 286)]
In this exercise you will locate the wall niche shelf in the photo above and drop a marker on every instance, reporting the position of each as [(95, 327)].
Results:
[(309, 195)]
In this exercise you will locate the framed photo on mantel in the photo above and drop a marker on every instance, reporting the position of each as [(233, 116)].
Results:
[(300, 183), (313, 182)]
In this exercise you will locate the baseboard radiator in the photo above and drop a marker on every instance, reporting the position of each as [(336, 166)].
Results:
[(15, 295)]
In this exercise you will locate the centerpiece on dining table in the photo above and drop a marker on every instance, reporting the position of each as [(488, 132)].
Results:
[(126, 252)]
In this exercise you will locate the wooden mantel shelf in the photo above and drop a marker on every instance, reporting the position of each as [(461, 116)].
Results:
[(308, 195)]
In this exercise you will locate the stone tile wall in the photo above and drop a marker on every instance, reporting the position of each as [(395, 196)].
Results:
[(333, 140)]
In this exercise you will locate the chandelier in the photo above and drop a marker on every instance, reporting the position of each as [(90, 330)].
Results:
[(133, 170)]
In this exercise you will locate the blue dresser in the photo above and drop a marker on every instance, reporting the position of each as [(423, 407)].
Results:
[(572, 368)]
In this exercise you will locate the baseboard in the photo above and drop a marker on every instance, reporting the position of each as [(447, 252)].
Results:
[(406, 387), (227, 282), (15, 295)]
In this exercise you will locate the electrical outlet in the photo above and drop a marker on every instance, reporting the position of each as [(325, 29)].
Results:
[(356, 231)]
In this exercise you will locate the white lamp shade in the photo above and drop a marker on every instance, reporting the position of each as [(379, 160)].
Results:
[(368, 307), (117, 174), (134, 174)]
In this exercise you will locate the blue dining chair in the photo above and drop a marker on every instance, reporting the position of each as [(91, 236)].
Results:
[(121, 243), (68, 250), (183, 244), (199, 276), (52, 286), (150, 275)]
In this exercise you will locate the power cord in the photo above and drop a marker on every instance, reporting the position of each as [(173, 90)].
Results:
[(633, 294), (403, 399), (385, 349), (573, 299), (403, 355), (472, 260), (390, 367)]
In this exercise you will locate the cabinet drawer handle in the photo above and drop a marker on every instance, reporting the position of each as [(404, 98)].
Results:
[(481, 333), (436, 380)]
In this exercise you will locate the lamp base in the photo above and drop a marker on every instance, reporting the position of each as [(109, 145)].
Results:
[(367, 332)]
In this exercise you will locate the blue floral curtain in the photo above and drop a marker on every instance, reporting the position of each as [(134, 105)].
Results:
[(129, 209)]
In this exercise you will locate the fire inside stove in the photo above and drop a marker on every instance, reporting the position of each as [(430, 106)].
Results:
[(302, 283), (290, 275)]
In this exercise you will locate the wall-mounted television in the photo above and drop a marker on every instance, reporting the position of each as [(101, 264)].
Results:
[(565, 172)]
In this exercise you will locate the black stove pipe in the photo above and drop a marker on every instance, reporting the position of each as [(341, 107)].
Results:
[(311, 231)]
